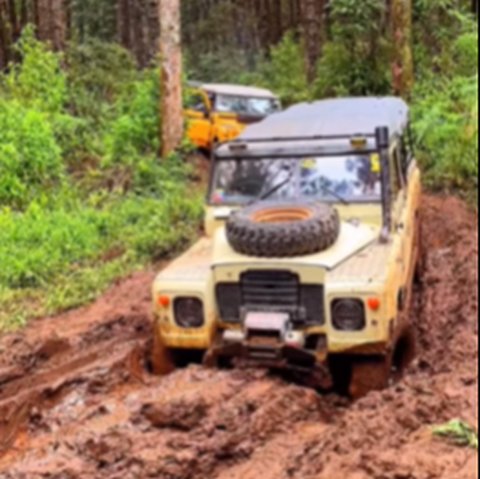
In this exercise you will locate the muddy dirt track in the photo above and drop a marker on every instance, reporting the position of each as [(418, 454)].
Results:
[(76, 401)]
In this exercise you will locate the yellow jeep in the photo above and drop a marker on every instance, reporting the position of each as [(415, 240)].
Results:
[(217, 113), (310, 253)]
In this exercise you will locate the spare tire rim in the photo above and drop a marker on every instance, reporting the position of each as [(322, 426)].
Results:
[(282, 215)]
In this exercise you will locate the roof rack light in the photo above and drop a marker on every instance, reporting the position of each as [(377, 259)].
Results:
[(359, 142), (238, 147)]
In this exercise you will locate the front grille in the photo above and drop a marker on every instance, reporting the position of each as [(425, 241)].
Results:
[(279, 291), (229, 300), (270, 288)]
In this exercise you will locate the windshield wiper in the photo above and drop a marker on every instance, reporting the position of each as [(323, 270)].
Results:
[(331, 192), (275, 188)]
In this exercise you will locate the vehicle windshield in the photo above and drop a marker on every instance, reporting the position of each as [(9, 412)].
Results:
[(349, 178), (243, 105)]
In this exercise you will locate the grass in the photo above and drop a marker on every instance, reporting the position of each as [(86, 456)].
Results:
[(70, 290), (84, 199), (61, 257), (459, 433)]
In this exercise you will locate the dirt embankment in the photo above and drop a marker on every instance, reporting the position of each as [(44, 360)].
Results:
[(75, 401)]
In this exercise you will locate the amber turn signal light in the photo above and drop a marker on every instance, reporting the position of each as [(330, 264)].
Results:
[(374, 304), (163, 301)]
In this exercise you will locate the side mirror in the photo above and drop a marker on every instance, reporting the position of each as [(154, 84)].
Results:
[(382, 136)]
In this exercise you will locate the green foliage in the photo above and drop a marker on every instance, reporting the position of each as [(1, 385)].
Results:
[(459, 432), (465, 54), (446, 124), (135, 132), (437, 49), (285, 72), (212, 41), (42, 243), (98, 74), (30, 160), (36, 130), (66, 253), (356, 57), (445, 107), (224, 65), (37, 81), (83, 197), (94, 19)]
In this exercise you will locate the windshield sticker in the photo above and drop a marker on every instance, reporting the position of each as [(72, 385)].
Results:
[(375, 164), (218, 196), (309, 164)]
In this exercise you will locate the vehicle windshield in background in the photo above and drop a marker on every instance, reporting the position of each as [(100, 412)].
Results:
[(350, 178), (246, 105)]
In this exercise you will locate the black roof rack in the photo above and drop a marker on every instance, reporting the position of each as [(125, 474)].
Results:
[(277, 139)]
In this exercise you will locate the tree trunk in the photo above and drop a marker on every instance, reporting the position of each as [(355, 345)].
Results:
[(14, 25), (123, 23), (153, 29), (313, 32), (277, 21), (171, 76), (263, 19), (139, 49), (58, 25), (44, 27), (402, 65), (4, 35)]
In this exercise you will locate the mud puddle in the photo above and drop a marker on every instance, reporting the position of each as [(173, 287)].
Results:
[(76, 401)]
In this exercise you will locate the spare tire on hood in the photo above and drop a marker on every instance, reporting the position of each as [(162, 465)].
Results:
[(280, 230)]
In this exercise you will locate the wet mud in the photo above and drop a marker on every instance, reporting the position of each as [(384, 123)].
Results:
[(76, 400)]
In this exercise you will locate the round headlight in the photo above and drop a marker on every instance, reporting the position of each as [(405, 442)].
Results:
[(348, 314), (189, 312)]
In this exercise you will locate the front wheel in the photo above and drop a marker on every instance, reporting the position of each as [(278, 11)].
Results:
[(378, 372), (370, 374), (161, 357)]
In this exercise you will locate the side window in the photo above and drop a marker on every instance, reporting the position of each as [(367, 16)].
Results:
[(397, 170), (407, 155), (196, 102)]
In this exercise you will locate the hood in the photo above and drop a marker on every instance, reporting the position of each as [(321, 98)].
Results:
[(351, 240)]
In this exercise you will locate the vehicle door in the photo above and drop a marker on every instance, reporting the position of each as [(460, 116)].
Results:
[(198, 114), (225, 117), (411, 214), (405, 190)]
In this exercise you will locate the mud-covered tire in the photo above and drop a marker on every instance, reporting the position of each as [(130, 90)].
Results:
[(377, 373), (370, 374), (280, 230), (161, 358)]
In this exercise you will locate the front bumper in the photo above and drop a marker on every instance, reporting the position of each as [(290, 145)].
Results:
[(278, 357), (268, 341)]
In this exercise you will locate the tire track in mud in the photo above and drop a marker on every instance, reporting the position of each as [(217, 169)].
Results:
[(96, 345), (76, 402)]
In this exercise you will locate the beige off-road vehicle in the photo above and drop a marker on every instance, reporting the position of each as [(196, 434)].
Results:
[(310, 253)]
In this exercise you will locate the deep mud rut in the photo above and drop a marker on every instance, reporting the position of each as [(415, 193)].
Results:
[(76, 401)]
